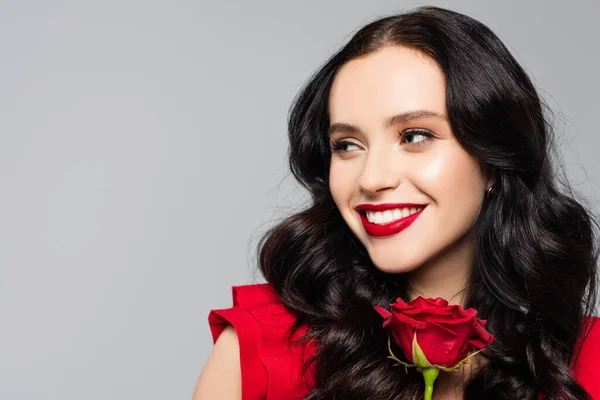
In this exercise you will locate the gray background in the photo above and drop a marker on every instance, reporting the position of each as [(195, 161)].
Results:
[(142, 155)]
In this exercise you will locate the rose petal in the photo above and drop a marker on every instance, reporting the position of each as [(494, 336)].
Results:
[(383, 312), (412, 322), (437, 302), (400, 301), (401, 305), (403, 335), (428, 316), (401, 308), (458, 321), (477, 342), (463, 332), (471, 312), (480, 336), (442, 327), (423, 303), (417, 301), (432, 311), (439, 345)]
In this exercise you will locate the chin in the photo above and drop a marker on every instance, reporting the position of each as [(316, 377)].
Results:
[(393, 266)]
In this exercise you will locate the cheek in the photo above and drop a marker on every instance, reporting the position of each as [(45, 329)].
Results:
[(334, 184), (454, 180), (343, 185), (340, 184)]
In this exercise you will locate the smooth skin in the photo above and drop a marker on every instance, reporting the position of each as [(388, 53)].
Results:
[(395, 145), (221, 377)]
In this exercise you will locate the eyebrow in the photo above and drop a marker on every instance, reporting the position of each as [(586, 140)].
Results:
[(391, 121)]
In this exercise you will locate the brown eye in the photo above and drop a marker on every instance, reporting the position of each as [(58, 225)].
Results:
[(343, 145), (416, 136)]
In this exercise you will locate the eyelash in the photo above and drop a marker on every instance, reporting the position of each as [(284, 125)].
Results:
[(417, 131), (339, 145)]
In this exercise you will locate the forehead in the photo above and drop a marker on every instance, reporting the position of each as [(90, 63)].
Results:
[(389, 81)]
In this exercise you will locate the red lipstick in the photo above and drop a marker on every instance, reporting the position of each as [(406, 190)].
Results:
[(389, 229)]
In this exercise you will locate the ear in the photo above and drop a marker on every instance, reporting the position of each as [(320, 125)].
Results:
[(491, 182), (489, 174)]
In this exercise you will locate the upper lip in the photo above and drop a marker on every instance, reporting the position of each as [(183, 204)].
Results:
[(386, 206)]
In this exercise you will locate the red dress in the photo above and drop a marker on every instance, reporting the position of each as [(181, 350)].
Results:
[(271, 370)]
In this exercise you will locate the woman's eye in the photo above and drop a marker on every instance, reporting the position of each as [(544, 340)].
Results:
[(416, 136), (342, 145)]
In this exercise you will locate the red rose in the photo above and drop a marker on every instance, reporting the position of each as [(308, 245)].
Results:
[(445, 334)]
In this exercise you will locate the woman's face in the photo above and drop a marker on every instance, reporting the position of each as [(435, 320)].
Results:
[(393, 146)]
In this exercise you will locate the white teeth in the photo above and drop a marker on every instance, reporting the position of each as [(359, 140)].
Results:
[(387, 216), (371, 217)]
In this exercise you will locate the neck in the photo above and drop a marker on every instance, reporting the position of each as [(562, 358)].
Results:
[(447, 275)]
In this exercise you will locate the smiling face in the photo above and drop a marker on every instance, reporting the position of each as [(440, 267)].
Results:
[(392, 144)]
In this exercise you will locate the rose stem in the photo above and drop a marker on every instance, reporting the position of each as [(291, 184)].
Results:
[(429, 374)]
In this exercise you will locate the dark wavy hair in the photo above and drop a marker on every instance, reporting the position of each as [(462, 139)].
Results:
[(534, 278)]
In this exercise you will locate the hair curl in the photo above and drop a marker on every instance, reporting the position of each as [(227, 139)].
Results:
[(534, 278)]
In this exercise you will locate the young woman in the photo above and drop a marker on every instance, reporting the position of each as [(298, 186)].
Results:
[(427, 153)]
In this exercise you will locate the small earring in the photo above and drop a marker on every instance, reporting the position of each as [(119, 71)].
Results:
[(489, 190)]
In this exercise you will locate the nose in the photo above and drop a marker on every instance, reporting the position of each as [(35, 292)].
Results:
[(380, 172)]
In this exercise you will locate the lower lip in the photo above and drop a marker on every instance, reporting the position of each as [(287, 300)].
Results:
[(391, 228)]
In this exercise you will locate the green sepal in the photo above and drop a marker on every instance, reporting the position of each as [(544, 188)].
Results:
[(398, 361), (417, 354), (430, 372)]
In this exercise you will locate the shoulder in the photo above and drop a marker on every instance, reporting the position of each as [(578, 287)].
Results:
[(270, 359), (221, 376), (588, 351)]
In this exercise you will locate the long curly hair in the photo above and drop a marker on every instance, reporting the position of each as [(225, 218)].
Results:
[(534, 277)]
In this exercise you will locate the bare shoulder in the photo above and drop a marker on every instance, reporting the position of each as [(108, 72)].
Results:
[(221, 377)]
